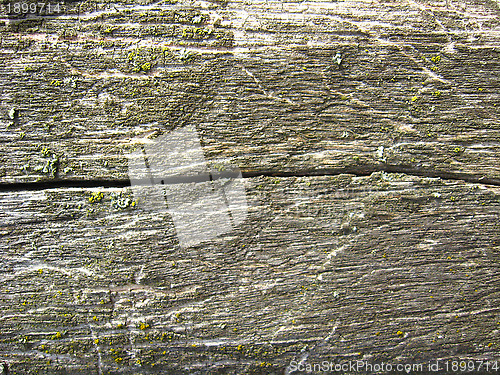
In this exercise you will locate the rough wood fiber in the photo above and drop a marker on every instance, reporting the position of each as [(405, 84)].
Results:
[(386, 267), (380, 268), (417, 85)]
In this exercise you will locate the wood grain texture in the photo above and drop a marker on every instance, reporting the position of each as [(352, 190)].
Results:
[(380, 268), (364, 266), (417, 86)]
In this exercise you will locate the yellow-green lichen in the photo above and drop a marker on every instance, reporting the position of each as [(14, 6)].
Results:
[(96, 197)]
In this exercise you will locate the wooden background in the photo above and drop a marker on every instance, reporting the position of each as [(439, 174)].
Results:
[(373, 185)]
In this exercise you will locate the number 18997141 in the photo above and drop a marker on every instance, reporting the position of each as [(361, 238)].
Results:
[(35, 8)]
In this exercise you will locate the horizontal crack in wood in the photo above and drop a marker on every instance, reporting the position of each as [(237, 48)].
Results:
[(359, 171)]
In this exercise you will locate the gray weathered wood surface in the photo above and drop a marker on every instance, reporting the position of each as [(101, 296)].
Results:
[(332, 264), (331, 268), (417, 86)]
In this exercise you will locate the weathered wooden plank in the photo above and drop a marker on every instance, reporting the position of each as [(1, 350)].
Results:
[(417, 86), (381, 268)]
